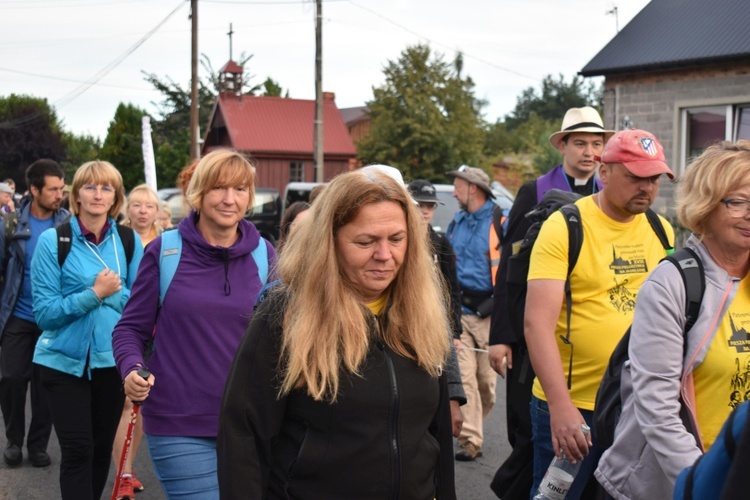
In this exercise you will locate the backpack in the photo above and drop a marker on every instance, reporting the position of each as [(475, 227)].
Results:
[(722, 471), (65, 233), (171, 251), (608, 405), (518, 263)]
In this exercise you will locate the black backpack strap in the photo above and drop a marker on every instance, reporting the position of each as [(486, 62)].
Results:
[(128, 241), (658, 227), (690, 266), (497, 222), (572, 217), (64, 234)]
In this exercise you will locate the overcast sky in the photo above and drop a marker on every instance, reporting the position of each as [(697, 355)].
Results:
[(52, 48)]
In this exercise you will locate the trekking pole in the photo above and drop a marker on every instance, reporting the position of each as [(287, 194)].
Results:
[(129, 436)]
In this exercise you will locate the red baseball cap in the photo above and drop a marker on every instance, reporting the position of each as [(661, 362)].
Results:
[(639, 151)]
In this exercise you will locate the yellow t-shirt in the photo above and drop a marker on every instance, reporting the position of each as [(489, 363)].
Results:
[(378, 305), (614, 261), (722, 380)]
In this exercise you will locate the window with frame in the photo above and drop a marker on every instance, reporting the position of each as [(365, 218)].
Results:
[(296, 171), (702, 126)]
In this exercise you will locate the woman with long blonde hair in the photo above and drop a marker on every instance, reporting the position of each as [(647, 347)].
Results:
[(335, 391)]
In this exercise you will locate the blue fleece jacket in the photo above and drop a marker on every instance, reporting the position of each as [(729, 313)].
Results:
[(77, 327), (196, 333)]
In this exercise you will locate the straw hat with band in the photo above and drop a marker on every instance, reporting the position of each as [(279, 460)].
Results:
[(580, 120), (475, 176)]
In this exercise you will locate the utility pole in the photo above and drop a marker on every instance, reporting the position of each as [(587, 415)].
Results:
[(195, 152), (318, 139)]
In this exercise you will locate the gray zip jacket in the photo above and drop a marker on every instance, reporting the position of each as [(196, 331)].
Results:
[(652, 446)]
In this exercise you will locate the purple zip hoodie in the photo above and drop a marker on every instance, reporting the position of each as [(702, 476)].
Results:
[(205, 313)]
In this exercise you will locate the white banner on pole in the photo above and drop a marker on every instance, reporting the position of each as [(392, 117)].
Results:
[(149, 164)]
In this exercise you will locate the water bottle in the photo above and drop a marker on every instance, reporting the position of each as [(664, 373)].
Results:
[(559, 476)]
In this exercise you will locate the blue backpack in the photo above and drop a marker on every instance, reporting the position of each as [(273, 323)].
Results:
[(171, 251)]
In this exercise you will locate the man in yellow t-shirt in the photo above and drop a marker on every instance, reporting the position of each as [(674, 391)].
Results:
[(619, 250)]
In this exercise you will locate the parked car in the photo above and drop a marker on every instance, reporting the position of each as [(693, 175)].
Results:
[(444, 213), (300, 191), (265, 214)]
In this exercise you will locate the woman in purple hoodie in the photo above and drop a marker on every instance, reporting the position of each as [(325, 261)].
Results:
[(198, 326)]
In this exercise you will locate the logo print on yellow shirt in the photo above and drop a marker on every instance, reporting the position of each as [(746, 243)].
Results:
[(740, 339), (621, 298), (740, 384), (630, 260)]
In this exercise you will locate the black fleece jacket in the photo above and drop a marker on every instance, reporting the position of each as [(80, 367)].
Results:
[(388, 435)]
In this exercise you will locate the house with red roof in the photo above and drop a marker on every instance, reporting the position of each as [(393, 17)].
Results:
[(278, 133)]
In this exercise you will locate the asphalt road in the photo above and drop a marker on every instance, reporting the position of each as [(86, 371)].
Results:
[(29, 483)]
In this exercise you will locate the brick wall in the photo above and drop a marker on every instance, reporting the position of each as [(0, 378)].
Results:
[(651, 102)]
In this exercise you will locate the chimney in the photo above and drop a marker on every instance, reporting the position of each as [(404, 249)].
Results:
[(329, 96)]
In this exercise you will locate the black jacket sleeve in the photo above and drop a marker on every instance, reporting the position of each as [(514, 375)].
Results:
[(500, 329), (251, 413), (447, 262), (453, 376)]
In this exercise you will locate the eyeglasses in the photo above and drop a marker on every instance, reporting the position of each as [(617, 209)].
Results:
[(738, 207)]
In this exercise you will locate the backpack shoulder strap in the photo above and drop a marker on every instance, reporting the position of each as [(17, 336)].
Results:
[(128, 241), (260, 255), (498, 219), (64, 234), (572, 217), (658, 227), (694, 278), (169, 259)]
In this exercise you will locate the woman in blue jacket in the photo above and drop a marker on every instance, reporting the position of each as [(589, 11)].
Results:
[(77, 305)]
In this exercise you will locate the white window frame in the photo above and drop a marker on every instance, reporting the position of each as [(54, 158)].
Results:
[(730, 105)]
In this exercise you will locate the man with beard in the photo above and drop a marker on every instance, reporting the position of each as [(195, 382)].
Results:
[(38, 213), (619, 249), (476, 245), (581, 138)]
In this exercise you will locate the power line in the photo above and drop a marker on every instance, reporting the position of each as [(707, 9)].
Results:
[(37, 75), (501, 68), (70, 96)]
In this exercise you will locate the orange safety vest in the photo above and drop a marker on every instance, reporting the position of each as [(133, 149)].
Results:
[(494, 251)]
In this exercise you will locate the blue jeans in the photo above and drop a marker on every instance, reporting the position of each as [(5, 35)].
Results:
[(185, 466), (543, 454)]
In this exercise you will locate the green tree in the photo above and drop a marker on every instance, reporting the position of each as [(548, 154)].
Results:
[(425, 117), (171, 128), (29, 130), (271, 88), (79, 150), (555, 98), (122, 147)]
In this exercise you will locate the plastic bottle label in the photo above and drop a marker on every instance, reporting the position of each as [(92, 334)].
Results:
[(555, 484)]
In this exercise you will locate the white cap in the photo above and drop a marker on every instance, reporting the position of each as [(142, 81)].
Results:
[(391, 172)]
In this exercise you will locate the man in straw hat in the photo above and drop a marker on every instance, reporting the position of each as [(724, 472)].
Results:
[(622, 242), (581, 138), (476, 245)]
